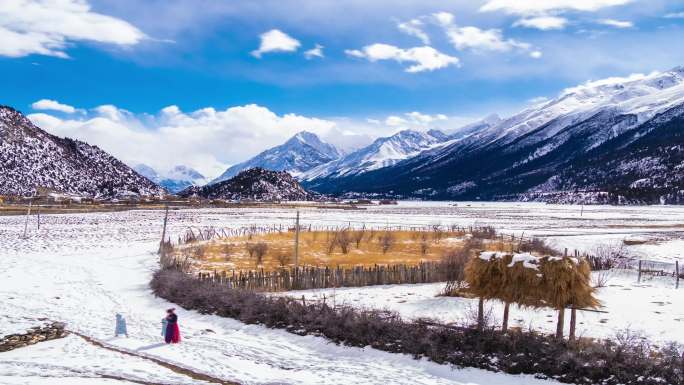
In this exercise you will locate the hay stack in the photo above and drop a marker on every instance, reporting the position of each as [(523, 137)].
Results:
[(567, 283), (531, 281)]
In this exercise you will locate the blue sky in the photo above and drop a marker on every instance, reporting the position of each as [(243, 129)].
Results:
[(244, 75)]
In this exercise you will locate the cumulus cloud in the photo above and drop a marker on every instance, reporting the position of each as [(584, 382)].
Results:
[(616, 23), (419, 121), (414, 118), (607, 82), (198, 139), (46, 27), (276, 41), (52, 105), (542, 22), (531, 7), (474, 38), (414, 28), (316, 51), (425, 58)]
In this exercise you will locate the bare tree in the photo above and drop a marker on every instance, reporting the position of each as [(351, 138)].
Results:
[(387, 240), (199, 251), (250, 249), (437, 233), (344, 239), (424, 244), (284, 259), (341, 238), (358, 236), (259, 249)]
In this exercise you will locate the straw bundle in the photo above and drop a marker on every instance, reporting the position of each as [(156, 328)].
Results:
[(531, 281)]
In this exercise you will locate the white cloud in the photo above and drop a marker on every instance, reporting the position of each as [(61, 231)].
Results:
[(536, 54), (316, 51), (52, 105), (542, 22), (425, 58), (414, 28), (276, 41), (483, 40), (46, 27), (533, 7), (675, 15), (444, 18), (616, 23), (474, 38), (419, 121), (607, 82)]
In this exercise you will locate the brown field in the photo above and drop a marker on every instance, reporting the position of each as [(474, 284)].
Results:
[(271, 251)]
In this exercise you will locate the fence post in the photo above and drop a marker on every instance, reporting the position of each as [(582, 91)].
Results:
[(639, 277), (677, 274)]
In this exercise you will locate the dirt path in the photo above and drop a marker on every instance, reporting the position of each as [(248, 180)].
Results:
[(175, 368)]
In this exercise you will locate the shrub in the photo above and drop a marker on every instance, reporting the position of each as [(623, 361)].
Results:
[(537, 245), (257, 251)]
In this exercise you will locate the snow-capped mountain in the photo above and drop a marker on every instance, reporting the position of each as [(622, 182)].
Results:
[(148, 172), (300, 153), (255, 184), (600, 136), (174, 180), (30, 159), (383, 152)]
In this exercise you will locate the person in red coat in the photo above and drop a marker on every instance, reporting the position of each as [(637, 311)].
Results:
[(172, 335)]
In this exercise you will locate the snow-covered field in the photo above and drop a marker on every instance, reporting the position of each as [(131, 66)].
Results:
[(83, 268)]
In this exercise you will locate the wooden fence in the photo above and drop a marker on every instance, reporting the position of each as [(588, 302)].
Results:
[(325, 277)]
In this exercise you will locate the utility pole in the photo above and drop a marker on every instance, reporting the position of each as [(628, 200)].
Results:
[(166, 218), (296, 256), (28, 214)]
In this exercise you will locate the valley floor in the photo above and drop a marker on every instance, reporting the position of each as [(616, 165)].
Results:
[(83, 268)]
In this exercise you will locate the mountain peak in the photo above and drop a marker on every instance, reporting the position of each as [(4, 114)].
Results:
[(302, 152)]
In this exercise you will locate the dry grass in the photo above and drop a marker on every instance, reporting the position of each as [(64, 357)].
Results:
[(349, 247)]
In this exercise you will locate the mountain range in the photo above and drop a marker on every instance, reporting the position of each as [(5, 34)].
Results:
[(32, 159), (616, 140), (177, 179)]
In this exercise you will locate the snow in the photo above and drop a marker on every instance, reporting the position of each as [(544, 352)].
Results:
[(528, 260), (84, 268)]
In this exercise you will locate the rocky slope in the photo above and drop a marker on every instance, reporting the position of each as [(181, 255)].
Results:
[(255, 184), (300, 153), (617, 141), (31, 158)]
